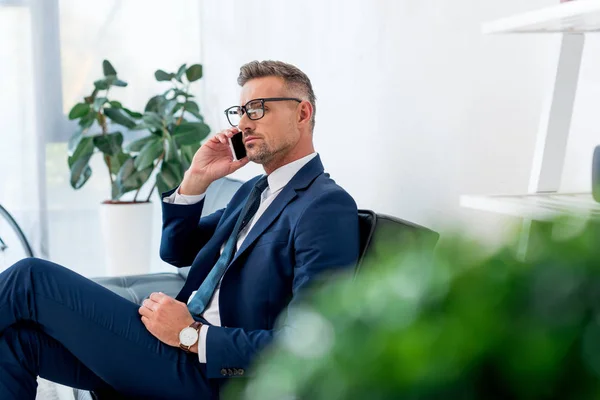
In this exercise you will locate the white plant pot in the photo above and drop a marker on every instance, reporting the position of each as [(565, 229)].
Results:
[(127, 234)]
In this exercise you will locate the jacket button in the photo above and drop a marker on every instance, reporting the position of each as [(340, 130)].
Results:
[(224, 372), (229, 371), (241, 371)]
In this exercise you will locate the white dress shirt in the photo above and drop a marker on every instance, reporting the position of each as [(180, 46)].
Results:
[(276, 180)]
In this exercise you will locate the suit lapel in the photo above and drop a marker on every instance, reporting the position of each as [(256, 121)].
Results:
[(224, 231), (301, 180), (270, 214)]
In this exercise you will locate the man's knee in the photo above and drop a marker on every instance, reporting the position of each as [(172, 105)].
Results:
[(30, 266), (27, 264)]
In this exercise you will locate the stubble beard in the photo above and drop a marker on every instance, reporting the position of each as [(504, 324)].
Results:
[(260, 153)]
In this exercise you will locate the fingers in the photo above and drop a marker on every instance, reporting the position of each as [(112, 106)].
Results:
[(159, 297), (222, 136), (145, 312), (149, 304), (231, 131), (145, 320)]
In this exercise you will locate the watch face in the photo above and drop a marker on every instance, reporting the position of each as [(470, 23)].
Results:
[(188, 336)]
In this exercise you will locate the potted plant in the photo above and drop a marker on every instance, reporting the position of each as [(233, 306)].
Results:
[(173, 129)]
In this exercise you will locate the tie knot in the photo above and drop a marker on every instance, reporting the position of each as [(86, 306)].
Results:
[(261, 184)]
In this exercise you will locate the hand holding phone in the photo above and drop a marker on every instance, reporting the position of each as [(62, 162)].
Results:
[(236, 143), (214, 160)]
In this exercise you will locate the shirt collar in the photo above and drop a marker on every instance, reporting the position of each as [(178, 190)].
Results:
[(282, 175)]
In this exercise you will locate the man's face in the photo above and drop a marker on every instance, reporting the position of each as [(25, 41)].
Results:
[(276, 133)]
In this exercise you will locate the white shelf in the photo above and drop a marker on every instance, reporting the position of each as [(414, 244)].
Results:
[(578, 16), (536, 206)]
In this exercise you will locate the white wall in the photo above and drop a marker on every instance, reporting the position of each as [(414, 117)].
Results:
[(415, 106)]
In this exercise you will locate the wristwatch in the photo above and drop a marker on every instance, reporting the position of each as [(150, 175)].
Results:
[(189, 336)]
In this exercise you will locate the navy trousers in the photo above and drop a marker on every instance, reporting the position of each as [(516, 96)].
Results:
[(68, 329)]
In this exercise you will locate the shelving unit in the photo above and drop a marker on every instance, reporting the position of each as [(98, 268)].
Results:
[(573, 19), (580, 16), (541, 207)]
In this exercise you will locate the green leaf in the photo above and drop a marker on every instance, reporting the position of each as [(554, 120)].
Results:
[(115, 104), (112, 80), (168, 91), (88, 120), (132, 114), (190, 133), (194, 72), (115, 192), (107, 68), (197, 115), (142, 126), (78, 162), (129, 178), (167, 107), (179, 92), (149, 153), (116, 162), (180, 72), (161, 185), (118, 117), (162, 76), (153, 103), (172, 154), (109, 144), (74, 141), (138, 144), (80, 172), (191, 106), (84, 149), (101, 84), (171, 174), (187, 154), (79, 110), (99, 102), (127, 169), (153, 119), (178, 107)]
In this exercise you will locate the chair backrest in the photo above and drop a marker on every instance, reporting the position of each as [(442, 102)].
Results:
[(379, 233)]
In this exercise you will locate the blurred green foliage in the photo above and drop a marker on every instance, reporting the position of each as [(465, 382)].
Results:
[(462, 324)]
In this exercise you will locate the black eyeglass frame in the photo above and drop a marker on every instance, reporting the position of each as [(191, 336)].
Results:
[(262, 106)]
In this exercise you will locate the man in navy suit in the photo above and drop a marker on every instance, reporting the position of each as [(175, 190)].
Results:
[(250, 262)]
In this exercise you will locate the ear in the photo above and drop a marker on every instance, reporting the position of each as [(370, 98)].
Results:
[(305, 112)]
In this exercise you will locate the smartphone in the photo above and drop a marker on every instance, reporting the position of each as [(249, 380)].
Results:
[(236, 143)]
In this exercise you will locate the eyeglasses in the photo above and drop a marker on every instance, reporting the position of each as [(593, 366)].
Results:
[(254, 109)]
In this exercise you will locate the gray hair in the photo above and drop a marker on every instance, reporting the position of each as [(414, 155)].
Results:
[(294, 78)]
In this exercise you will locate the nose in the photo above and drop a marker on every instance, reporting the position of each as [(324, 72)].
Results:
[(246, 124)]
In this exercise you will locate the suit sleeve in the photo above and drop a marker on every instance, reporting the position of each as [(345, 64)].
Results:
[(184, 232), (326, 238)]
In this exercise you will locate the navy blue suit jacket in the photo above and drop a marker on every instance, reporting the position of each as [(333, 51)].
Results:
[(310, 228)]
